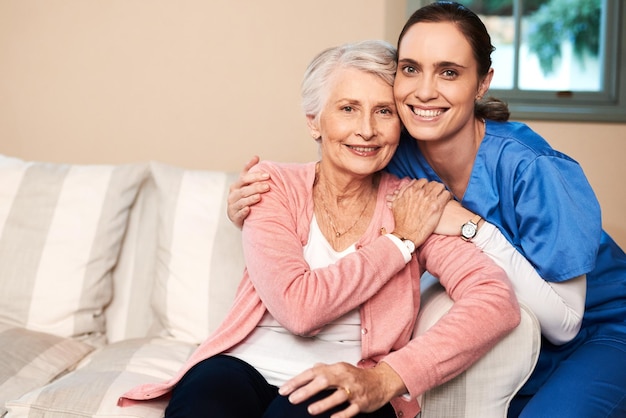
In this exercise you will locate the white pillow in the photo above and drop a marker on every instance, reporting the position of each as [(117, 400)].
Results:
[(61, 227), (30, 359), (93, 389), (485, 389), (199, 253)]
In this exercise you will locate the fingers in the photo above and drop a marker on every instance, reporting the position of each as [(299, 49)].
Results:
[(428, 191), (338, 396), (245, 192), (359, 389), (417, 209), (430, 187), (421, 187), (391, 197), (295, 383), (326, 404), (244, 187), (238, 216), (245, 178), (319, 378), (240, 201)]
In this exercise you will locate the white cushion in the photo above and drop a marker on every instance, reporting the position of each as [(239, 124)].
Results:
[(61, 228), (30, 359), (485, 390), (199, 255), (93, 389)]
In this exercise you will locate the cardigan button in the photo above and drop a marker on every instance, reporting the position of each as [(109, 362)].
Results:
[(363, 331)]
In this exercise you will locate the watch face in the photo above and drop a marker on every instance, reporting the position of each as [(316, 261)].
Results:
[(468, 230)]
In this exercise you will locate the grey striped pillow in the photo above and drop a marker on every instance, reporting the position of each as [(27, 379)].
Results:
[(30, 359), (93, 389), (61, 228)]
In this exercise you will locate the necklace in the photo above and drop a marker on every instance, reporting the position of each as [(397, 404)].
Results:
[(330, 218)]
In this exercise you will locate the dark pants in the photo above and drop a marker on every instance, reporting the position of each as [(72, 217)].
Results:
[(226, 387)]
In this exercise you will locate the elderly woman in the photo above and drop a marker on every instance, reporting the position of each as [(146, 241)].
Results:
[(323, 317)]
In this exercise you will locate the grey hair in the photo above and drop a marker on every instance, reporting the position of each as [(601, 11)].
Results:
[(372, 56)]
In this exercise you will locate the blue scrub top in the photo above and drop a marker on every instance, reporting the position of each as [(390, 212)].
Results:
[(542, 202)]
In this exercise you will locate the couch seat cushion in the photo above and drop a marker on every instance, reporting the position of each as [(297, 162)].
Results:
[(30, 359), (92, 390)]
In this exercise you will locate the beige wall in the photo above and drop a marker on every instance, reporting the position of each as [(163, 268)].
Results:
[(200, 83), (204, 83)]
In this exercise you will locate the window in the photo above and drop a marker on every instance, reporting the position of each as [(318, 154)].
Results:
[(556, 59)]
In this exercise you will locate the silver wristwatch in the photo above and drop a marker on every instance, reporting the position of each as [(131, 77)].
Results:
[(469, 229)]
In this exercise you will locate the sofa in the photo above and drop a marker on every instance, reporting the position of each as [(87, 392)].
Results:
[(110, 275)]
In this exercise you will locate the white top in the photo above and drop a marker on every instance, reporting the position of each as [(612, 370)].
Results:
[(559, 307), (280, 355)]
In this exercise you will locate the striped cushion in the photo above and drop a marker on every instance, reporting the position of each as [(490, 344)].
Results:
[(129, 315), (30, 359), (199, 254), (93, 389), (61, 228)]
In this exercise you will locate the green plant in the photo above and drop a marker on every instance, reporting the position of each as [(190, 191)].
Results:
[(559, 20)]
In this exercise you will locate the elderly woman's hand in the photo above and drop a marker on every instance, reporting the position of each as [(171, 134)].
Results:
[(366, 390), (246, 192), (417, 208)]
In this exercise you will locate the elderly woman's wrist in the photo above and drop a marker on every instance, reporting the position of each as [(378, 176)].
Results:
[(390, 380), (407, 247)]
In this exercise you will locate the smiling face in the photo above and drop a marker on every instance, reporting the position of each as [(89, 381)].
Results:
[(437, 82), (358, 126)]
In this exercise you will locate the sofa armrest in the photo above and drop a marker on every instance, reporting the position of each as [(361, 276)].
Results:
[(484, 390)]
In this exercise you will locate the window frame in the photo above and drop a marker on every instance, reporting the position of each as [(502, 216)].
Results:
[(608, 105)]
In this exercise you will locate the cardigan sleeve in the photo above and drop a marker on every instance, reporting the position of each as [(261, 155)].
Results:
[(484, 311), (301, 299)]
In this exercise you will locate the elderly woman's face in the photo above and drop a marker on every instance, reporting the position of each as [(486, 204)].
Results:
[(358, 125)]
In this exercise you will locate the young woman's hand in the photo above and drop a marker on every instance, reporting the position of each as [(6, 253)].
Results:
[(246, 192)]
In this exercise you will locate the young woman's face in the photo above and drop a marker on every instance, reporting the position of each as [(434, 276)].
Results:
[(358, 126), (437, 82)]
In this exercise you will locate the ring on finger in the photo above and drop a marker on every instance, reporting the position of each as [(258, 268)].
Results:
[(348, 393)]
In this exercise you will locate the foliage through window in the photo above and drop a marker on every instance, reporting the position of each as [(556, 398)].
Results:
[(556, 59)]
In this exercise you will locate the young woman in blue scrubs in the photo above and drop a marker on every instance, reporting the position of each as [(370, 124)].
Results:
[(538, 197)]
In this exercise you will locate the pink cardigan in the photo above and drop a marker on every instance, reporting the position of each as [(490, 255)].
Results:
[(375, 278)]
